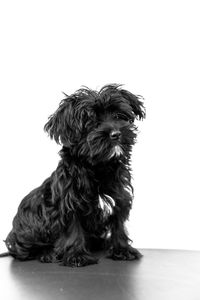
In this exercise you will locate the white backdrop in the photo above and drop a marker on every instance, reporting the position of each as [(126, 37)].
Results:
[(150, 46)]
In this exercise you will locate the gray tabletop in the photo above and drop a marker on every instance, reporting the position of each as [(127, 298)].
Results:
[(160, 274)]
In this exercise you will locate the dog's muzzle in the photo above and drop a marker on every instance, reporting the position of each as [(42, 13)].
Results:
[(115, 135)]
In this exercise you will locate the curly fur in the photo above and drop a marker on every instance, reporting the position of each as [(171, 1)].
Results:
[(83, 205)]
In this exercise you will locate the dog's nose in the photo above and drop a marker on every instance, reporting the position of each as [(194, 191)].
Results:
[(115, 134)]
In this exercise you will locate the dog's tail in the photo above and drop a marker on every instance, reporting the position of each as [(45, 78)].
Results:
[(5, 254)]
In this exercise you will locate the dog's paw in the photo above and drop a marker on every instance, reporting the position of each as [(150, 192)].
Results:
[(79, 260), (48, 257), (124, 253)]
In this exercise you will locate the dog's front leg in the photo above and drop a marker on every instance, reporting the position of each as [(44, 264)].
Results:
[(120, 243), (71, 246)]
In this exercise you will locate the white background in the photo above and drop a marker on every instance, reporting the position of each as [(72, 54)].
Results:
[(150, 46)]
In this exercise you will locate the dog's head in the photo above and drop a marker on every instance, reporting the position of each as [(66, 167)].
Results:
[(97, 126)]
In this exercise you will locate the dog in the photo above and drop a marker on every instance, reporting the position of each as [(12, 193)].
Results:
[(83, 206)]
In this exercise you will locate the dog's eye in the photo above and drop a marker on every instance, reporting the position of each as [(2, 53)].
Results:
[(120, 116)]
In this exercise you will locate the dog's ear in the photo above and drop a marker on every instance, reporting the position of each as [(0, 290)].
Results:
[(60, 125), (136, 104)]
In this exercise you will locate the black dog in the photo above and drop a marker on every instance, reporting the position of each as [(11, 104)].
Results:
[(83, 205)]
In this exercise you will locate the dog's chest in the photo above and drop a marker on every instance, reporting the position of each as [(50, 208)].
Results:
[(106, 204)]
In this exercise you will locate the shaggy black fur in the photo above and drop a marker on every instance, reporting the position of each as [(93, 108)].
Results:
[(84, 204)]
